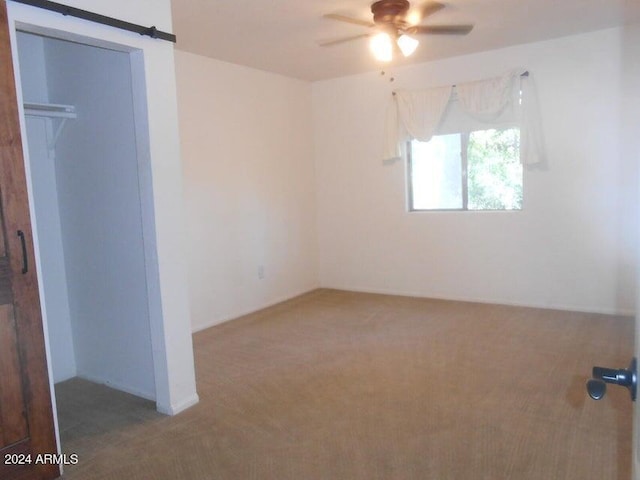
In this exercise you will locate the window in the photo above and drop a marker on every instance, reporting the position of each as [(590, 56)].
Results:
[(480, 170)]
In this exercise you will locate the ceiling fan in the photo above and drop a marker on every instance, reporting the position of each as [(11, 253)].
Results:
[(395, 27)]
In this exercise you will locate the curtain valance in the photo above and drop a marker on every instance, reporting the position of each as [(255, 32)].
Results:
[(507, 100)]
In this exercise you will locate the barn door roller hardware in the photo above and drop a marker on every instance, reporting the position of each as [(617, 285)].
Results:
[(152, 32)]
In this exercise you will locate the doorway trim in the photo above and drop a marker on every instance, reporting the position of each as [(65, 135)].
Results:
[(160, 191)]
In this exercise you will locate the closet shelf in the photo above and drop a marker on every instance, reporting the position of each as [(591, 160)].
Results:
[(53, 111), (50, 110)]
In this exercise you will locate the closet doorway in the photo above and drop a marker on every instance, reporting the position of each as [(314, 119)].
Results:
[(88, 191)]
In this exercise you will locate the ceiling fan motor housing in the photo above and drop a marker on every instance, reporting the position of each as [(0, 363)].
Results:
[(390, 12)]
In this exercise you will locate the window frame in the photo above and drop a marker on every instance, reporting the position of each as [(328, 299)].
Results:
[(464, 167)]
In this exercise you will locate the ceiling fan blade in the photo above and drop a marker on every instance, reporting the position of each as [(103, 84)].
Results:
[(430, 8), (329, 43), (343, 18), (440, 29)]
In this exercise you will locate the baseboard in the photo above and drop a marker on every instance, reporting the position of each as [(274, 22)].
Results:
[(172, 409), (117, 386), (65, 377), (180, 407), (492, 301), (249, 311)]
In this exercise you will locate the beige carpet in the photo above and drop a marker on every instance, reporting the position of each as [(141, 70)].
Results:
[(335, 385)]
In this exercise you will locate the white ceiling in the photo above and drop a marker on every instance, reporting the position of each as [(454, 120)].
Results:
[(282, 36)]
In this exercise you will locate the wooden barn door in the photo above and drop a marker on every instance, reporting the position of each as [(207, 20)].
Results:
[(26, 416)]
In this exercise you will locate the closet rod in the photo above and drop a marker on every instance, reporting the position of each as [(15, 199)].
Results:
[(152, 32), (50, 110)]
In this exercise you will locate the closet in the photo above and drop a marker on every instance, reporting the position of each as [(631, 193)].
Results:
[(82, 157)]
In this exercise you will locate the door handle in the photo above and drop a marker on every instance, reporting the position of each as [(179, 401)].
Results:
[(597, 386), (25, 264)]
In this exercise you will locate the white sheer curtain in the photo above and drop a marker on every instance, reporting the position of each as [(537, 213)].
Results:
[(418, 115), (508, 100)]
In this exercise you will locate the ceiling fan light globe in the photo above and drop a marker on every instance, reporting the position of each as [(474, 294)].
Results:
[(381, 47), (407, 44), (413, 18)]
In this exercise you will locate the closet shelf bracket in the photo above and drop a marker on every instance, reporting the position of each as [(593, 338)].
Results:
[(52, 111)]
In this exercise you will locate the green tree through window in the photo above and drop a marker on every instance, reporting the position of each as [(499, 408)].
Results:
[(494, 170), (480, 170)]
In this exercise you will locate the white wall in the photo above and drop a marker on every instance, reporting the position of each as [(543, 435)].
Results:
[(45, 197), (55, 296), (99, 203), (249, 187), (160, 167), (572, 246), (32, 68)]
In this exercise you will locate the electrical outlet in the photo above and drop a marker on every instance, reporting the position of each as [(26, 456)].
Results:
[(260, 272)]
